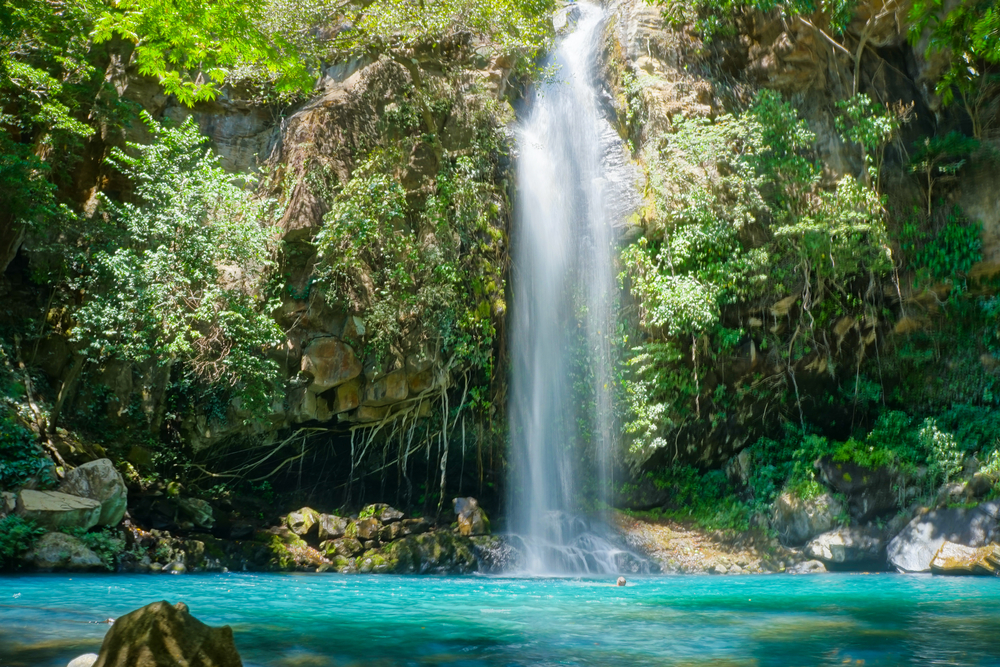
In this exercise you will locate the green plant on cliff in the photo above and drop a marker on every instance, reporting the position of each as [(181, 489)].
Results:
[(424, 272), (939, 157), (20, 456), (969, 34), (174, 275), (737, 216), (945, 256)]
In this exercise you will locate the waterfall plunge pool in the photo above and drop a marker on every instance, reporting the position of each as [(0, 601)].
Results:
[(384, 620)]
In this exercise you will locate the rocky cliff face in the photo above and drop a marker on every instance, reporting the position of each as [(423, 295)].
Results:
[(659, 71)]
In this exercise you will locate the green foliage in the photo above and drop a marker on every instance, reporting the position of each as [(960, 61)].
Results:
[(717, 18), (17, 536), (401, 25), (20, 456), (191, 46), (937, 157), (949, 254), (176, 274), (107, 544), (421, 272), (737, 216), (970, 33), (703, 498), (45, 70), (870, 125)]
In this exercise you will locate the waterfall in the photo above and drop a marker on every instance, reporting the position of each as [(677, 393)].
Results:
[(572, 181)]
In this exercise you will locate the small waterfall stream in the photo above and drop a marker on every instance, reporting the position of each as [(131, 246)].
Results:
[(572, 182)]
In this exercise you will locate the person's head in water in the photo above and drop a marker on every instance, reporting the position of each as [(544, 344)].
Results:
[(621, 581)]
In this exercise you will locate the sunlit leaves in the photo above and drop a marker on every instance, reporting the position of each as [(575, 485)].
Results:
[(176, 275)]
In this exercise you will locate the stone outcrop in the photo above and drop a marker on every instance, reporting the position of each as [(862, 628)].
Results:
[(954, 558), (55, 511), (59, 551), (848, 545), (913, 549), (797, 520), (807, 567), (98, 480), (303, 522), (472, 519), (85, 660), (165, 635), (331, 527), (330, 362)]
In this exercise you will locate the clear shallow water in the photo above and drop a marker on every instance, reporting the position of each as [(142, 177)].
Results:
[(315, 620)]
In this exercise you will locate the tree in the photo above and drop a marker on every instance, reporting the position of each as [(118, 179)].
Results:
[(191, 46)]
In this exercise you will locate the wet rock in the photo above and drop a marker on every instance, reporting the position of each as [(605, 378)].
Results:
[(85, 660), (913, 549), (175, 568), (807, 567), (59, 551), (55, 511), (382, 512), (198, 511), (98, 480), (472, 519), (165, 635), (331, 527), (303, 522), (954, 558), (347, 547), (367, 529), (797, 519), (847, 545), (869, 492), (330, 362)]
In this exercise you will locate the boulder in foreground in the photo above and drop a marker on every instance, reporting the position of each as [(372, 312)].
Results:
[(165, 635)]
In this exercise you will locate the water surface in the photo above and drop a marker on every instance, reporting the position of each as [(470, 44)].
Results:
[(324, 619)]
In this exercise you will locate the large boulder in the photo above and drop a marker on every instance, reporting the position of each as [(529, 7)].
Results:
[(59, 551), (847, 545), (913, 549), (56, 511), (85, 660), (807, 567), (472, 519), (330, 362), (366, 529), (303, 522), (797, 519), (331, 527), (165, 635), (869, 492), (98, 480), (954, 558)]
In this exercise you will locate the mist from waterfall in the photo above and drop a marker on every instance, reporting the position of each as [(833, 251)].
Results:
[(571, 177)]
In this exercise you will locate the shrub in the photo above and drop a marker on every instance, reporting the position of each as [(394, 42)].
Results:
[(17, 536)]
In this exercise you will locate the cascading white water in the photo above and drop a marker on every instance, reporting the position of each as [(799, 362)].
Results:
[(570, 187)]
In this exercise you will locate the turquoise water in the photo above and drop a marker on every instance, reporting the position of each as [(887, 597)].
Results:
[(322, 619)]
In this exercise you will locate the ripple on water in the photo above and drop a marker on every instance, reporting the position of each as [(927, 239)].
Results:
[(390, 621)]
